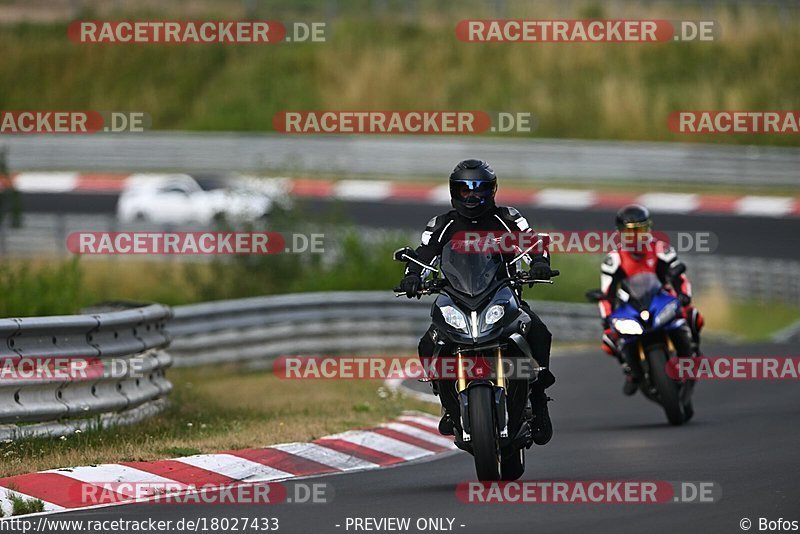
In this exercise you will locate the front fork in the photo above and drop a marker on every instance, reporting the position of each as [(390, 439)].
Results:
[(643, 363), (499, 386)]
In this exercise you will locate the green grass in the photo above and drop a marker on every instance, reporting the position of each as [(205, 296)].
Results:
[(754, 320), (58, 287), (63, 287), (196, 422), (350, 262), (594, 91), (22, 505)]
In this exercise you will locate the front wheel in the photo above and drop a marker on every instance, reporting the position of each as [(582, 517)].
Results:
[(666, 387), (482, 431)]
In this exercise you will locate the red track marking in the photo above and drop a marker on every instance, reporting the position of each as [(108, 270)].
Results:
[(101, 182), (410, 191), (420, 426), (365, 453), (411, 440), (613, 200), (284, 461), (312, 188), (717, 203), (181, 472)]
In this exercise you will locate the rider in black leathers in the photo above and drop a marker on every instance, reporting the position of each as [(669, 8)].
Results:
[(473, 185)]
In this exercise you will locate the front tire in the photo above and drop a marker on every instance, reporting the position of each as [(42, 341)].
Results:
[(667, 388), (484, 435)]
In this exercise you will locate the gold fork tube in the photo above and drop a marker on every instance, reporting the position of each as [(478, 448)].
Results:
[(462, 379), (501, 378)]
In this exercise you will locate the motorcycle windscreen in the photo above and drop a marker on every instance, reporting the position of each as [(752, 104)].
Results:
[(469, 272), (643, 287)]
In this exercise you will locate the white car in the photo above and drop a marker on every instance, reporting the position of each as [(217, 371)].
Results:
[(179, 199)]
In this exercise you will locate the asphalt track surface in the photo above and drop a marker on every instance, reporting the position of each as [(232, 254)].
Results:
[(744, 437), (761, 237)]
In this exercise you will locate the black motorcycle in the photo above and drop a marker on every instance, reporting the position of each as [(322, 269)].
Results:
[(477, 317)]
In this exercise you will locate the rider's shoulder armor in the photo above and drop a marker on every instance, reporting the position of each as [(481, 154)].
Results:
[(436, 226), (611, 263), (513, 218), (665, 252)]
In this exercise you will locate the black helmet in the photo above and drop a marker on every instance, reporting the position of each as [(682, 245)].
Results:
[(634, 217), (473, 185)]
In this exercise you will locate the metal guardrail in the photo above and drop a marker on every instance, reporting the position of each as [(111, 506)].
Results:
[(790, 334), (123, 382), (542, 159), (745, 278), (253, 331), (257, 330)]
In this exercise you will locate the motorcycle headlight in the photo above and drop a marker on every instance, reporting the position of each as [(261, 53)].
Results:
[(628, 327), (454, 318), (494, 314), (666, 314)]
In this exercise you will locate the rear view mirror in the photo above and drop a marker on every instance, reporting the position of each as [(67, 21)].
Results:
[(595, 295), (404, 254), (679, 270)]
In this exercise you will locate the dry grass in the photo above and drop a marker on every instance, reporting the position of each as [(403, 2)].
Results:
[(611, 90), (578, 90), (736, 321), (215, 409)]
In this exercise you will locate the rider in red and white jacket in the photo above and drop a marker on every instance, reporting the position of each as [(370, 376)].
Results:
[(646, 256)]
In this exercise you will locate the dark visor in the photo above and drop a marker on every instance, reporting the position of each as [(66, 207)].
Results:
[(469, 188)]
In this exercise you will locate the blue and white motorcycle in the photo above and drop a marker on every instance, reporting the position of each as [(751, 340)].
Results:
[(644, 316)]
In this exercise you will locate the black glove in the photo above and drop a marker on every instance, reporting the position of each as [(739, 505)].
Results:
[(411, 284), (685, 299), (540, 271)]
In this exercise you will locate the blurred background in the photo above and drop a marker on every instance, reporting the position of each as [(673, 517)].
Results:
[(601, 133)]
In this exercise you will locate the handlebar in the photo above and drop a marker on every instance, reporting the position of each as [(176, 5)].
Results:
[(434, 286), (428, 288), (523, 278)]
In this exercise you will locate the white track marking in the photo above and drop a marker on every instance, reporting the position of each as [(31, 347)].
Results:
[(384, 444), (46, 182), (235, 467), (7, 506), (363, 189), (326, 456), (566, 198), (424, 435), (427, 421), (764, 206), (670, 202)]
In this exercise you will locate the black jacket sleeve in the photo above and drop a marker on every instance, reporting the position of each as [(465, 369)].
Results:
[(431, 243), (513, 221)]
